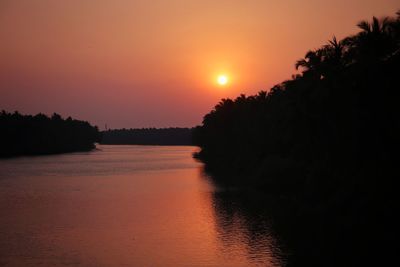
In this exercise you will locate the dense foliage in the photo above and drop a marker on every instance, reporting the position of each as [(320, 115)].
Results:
[(338, 118), (39, 134), (148, 136), (326, 142)]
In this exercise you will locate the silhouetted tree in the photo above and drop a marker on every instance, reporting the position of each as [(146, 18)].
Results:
[(39, 134), (340, 106), (148, 136), (328, 139)]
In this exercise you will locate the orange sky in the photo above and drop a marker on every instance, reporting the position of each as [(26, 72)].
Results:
[(154, 63)]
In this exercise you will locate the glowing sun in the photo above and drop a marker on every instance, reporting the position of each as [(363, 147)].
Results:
[(222, 79)]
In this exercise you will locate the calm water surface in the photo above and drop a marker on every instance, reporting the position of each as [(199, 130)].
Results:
[(124, 206)]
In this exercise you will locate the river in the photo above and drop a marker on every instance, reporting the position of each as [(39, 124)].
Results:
[(124, 206)]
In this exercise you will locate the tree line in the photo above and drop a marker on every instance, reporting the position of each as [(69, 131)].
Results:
[(148, 136), (40, 134), (340, 114), (328, 140)]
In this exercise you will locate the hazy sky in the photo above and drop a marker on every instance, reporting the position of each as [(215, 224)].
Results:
[(154, 63)]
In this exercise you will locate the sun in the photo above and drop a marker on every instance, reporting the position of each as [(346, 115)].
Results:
[(222, 79)]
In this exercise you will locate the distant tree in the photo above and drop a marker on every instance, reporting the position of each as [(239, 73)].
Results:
[(148, 136), (39, 134)]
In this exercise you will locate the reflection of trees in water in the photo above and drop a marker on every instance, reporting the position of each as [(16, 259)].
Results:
[(242, 226), (274, 231), (328, 141)]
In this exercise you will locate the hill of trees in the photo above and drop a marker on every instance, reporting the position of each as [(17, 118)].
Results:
[(148, 136), (338, 117), (40, 134), (328, 139)]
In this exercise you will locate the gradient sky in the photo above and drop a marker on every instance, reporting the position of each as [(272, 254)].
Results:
[(154, 63)]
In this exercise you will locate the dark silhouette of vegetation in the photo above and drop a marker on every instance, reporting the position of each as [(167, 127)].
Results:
[(327, 140), (339, 115), (148, 136), (39, 134)]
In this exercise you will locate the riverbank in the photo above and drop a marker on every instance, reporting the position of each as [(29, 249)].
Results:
[(23, 135)]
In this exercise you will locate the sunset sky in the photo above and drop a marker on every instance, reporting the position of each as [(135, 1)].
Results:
[(156, 63)]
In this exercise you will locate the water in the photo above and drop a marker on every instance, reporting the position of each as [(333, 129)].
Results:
[(124, 206)]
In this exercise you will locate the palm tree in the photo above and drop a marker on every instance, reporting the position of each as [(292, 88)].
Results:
[(374, 42), (310, 62), (323, 61), (376, 27), (334, 48)]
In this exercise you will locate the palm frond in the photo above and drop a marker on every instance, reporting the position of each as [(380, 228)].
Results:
[(364, 25)]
